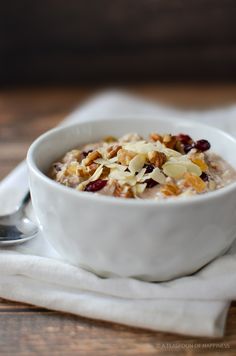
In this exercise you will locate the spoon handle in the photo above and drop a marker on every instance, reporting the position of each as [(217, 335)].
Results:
[(25, 200)]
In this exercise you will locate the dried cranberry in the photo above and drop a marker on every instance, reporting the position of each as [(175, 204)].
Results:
[(150, 183), (149, 168), (202, 145), (204, 177), (85, 153), (188, 147), (184, 138), (96, 185)]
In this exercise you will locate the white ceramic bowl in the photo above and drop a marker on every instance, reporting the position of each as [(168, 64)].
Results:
[(150, 240)]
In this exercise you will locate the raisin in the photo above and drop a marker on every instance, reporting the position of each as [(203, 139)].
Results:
[(95, 185)]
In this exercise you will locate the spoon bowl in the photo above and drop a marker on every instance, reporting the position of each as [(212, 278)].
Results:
[(17, 228)]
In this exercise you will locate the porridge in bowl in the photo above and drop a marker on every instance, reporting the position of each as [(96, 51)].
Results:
[(158, 167)]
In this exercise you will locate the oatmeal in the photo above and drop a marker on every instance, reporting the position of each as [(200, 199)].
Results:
[(158, 167)]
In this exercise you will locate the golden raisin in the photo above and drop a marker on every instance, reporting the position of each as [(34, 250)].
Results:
[(195, 182), (200, 163), (170, 190)]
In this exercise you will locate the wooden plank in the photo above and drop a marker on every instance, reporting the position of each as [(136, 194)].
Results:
[(42, 332)]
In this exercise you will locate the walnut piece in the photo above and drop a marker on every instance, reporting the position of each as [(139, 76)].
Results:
[(92, 168), (105, 173), (83, 172), (157, 158), (112, 151), (169, 141), (125, 156), (123, 191), (155, 137), (91, 157)]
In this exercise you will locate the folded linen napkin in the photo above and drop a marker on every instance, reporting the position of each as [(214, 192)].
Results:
[(34, 273)]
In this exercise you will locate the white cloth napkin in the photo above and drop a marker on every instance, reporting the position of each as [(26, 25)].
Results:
[(34, 273)]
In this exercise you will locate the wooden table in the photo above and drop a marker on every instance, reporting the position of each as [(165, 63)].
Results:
[(28, 330)]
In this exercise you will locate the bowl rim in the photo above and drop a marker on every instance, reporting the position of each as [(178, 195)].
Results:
[(122, 201)]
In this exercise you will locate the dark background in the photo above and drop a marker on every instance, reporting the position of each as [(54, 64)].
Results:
[(58, 41)]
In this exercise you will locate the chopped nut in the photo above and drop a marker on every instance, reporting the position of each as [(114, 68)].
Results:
[(110, 139), (124, 191), (157, 158), (155, 137), (105, 172), (82, 172), (124, 156), (91, 157), (112, 151), (169, 141), (195, 182), (170, 190), (92, 168)]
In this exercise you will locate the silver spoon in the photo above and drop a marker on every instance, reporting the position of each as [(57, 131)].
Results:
[(16, 228)]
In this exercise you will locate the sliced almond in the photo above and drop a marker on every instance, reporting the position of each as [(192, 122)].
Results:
[(140, 187), (174, 170), (122, 177), (140, 146), (137, 163), (125, 156), (193, 168), (156, 175), (140, 175)]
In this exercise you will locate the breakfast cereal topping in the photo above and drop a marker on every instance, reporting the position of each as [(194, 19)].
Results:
[(162, 166)]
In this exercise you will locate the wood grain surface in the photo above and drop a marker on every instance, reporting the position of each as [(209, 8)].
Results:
[(28, 330)]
